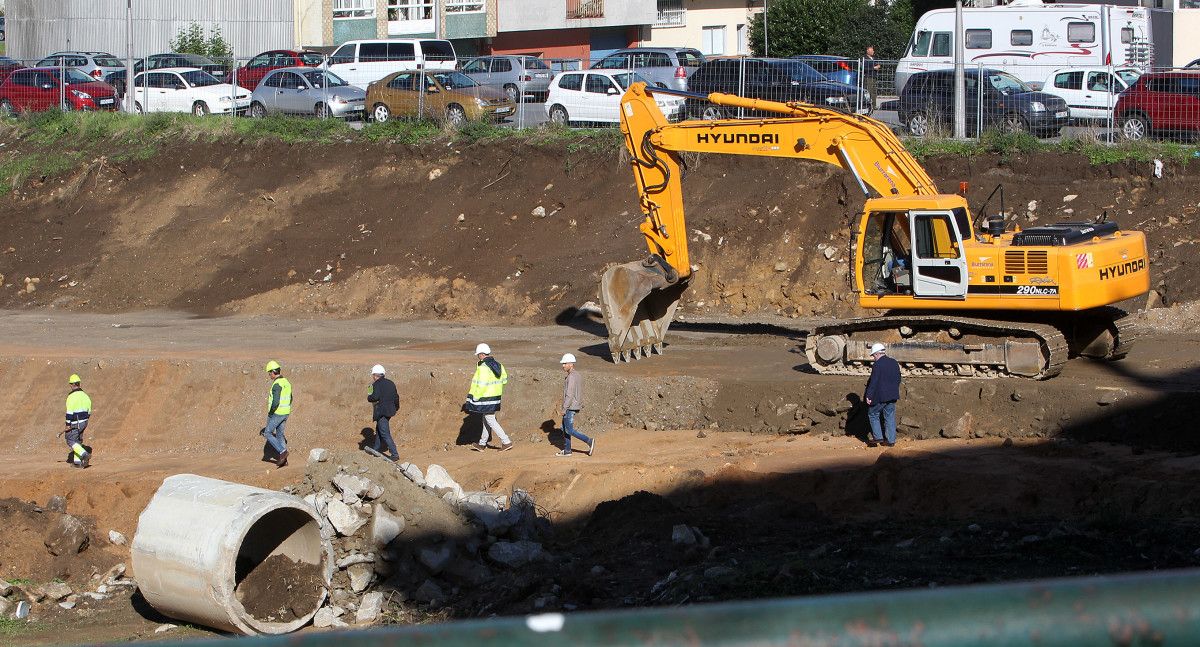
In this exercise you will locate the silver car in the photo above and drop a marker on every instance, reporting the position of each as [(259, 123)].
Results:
[(307, 91), (517, 76), (667, 67), (97, 65)]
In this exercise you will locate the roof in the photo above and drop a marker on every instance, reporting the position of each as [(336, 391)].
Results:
[(177, 70), (655, 49), (939, 201)]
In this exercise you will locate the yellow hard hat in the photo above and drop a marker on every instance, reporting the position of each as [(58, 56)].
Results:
[(74, 379), (272, 366)]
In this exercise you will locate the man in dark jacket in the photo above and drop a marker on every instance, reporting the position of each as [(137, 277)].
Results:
[(387, 402), (883, 390)]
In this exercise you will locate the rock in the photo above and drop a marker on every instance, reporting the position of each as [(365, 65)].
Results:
[(719, 572), (67, 604), (911, 423), (597, 570), (113, 574), (974, 528), (56, 503), (435, 174), (465, 572), (538, 212), (829, 253), (1016, 396), (487, 509), (326, 616), (1008, 442), (385, 526), (429, 592), (413, 473), (1153, 300), (318, 455), (57, 590), (345, 520), (162, 629), (1068, 198), (5, 589), (68, 536), (960, 428), (116, 538), (439, 480), (350, 485), (907, 543), (355, 558), (435, 559), (781, 266), (5, 605), (375, 491), (515, 554), (462, 217), (94, 596), (701, 434), (827, 409), (683, 535), (369, 609), (1111, 396), (360, 577)]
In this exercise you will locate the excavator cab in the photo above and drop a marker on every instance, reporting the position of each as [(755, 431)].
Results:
[(917, 252)]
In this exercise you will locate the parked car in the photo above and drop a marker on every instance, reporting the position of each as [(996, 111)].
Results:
[(835, 68), (97, 65), (926, 103), (447, 94), (517, 76), (1090, 92), (8, 66), (361, 62), (168, 60), (34, 89), (595, 96), (186, 89), (1160, 103), (666, 67), (307, 91), (252, 73), (772, 79), (2, 29)]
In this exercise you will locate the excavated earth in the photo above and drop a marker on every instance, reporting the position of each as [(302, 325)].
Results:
[(167, 283)]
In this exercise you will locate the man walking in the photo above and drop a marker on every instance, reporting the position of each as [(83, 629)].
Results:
[(883, 390), (279, 407), (572, 403), (487, 387), (387, 402), (79, 411)]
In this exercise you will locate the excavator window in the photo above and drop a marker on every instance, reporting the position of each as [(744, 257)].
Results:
[(935, 237), (887, 264)]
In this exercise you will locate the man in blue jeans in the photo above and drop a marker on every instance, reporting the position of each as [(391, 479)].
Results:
[(382, 393), (883, 390), (279, 407), (572, 403)]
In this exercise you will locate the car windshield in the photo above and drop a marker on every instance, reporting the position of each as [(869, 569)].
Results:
[(195, 60), (314, 79), (199, 78), (75, 77), (1007, 83), (454, 80), (532, 63), (1129, 76), (311, 58), (107, 61), (629, 78), (799, 72)]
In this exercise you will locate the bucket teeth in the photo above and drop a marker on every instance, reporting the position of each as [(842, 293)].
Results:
[(658, 348)]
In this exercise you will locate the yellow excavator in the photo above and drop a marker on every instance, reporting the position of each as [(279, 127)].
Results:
[(962, 298)]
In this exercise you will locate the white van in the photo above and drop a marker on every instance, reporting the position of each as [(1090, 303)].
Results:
[(361, 62), (1029, 39), (1090, 92)]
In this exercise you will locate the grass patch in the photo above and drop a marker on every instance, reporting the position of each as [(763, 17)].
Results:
[(12, 626), (1093, 146), (20, 581), (402, 131), (16, 171)]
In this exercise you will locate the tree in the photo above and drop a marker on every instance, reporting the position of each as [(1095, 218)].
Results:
[(836, 27), (193, 40)]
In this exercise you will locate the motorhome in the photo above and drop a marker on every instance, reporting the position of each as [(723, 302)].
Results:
[(1029, 39)]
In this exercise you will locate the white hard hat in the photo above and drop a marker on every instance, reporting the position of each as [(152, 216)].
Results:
[(484, 349), (567, 359), (378, 370), (878, 348)]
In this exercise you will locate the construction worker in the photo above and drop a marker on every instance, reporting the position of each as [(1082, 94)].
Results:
[(487, 387), (79, 411), (571, 404), (382, 393), (279, 407)]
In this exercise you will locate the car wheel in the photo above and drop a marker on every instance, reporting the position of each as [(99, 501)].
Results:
[(919, 124), (6, 108), (558, 115), (712, 113), (1, 36), (199, 109), (321, 111), (513, 93), (456, 115), (380, 113), (258, 110), (1015, 123), (1135, 127), (137, 107)]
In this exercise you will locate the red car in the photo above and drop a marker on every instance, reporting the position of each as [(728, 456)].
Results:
[(42, 88), (1160, 102), (252, 73)]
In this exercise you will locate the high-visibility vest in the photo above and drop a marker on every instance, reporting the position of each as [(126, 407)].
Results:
[(486, 388), (285, 397), (79, 407)]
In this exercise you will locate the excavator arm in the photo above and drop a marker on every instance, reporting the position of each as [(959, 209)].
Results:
[(638, 300)]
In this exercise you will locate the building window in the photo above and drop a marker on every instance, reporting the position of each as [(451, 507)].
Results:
[(577, 9), (353, 8), (406, 10), (743, 40), (464, 6), (670, 14), (712, 42)]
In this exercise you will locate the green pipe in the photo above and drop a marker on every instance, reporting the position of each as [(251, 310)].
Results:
[(1159, 608)]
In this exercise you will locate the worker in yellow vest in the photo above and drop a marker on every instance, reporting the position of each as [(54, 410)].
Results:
[(279, 407), (79, 411)]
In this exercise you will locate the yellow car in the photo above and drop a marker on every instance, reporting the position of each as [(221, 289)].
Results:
[(448, 95)]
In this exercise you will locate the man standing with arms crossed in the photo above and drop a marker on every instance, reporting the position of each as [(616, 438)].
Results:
[(279, 407), (79, 411), (572, 403), (487, 387), (883, 390), (387, 402)]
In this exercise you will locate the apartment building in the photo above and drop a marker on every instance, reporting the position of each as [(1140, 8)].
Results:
[(571, 29), (715, 27)]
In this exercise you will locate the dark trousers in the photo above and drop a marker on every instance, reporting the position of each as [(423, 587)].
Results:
[(383, 437), (75, 441)]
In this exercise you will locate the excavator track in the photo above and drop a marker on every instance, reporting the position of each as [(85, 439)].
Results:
[(961, 347)]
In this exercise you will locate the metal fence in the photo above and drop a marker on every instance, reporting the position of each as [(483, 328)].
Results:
[(1101, 103)]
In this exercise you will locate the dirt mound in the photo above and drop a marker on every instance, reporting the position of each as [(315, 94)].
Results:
[(280, 589), (40, 544)]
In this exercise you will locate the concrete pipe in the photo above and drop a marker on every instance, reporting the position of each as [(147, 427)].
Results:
[(230, 556)]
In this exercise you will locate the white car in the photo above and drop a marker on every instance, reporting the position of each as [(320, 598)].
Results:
[(1090, 92), (595, 96), (187, 89)]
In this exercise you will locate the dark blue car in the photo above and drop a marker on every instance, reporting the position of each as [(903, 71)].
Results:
[(834, 68)]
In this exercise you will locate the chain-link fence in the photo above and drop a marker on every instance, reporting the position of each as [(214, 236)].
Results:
[(1102, 102)]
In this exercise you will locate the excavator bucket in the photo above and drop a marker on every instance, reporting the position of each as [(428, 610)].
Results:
[(638, 303)]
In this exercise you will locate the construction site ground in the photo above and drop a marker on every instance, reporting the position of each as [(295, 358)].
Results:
[(206, 261)]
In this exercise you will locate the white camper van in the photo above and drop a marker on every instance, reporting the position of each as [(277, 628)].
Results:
[(1029, 39)]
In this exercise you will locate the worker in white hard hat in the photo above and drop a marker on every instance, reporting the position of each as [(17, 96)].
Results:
[(882, 392), (487, 388), (79, 412), (571, 404), (383, 393)]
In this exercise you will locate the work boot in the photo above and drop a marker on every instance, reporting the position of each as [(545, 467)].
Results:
[(85, 459), (478, 448), (282, 459)]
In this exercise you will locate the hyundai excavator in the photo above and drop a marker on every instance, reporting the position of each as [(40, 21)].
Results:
[(960, 297)]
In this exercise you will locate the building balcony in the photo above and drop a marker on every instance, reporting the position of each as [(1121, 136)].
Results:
[(671, 18), (581, 9)]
